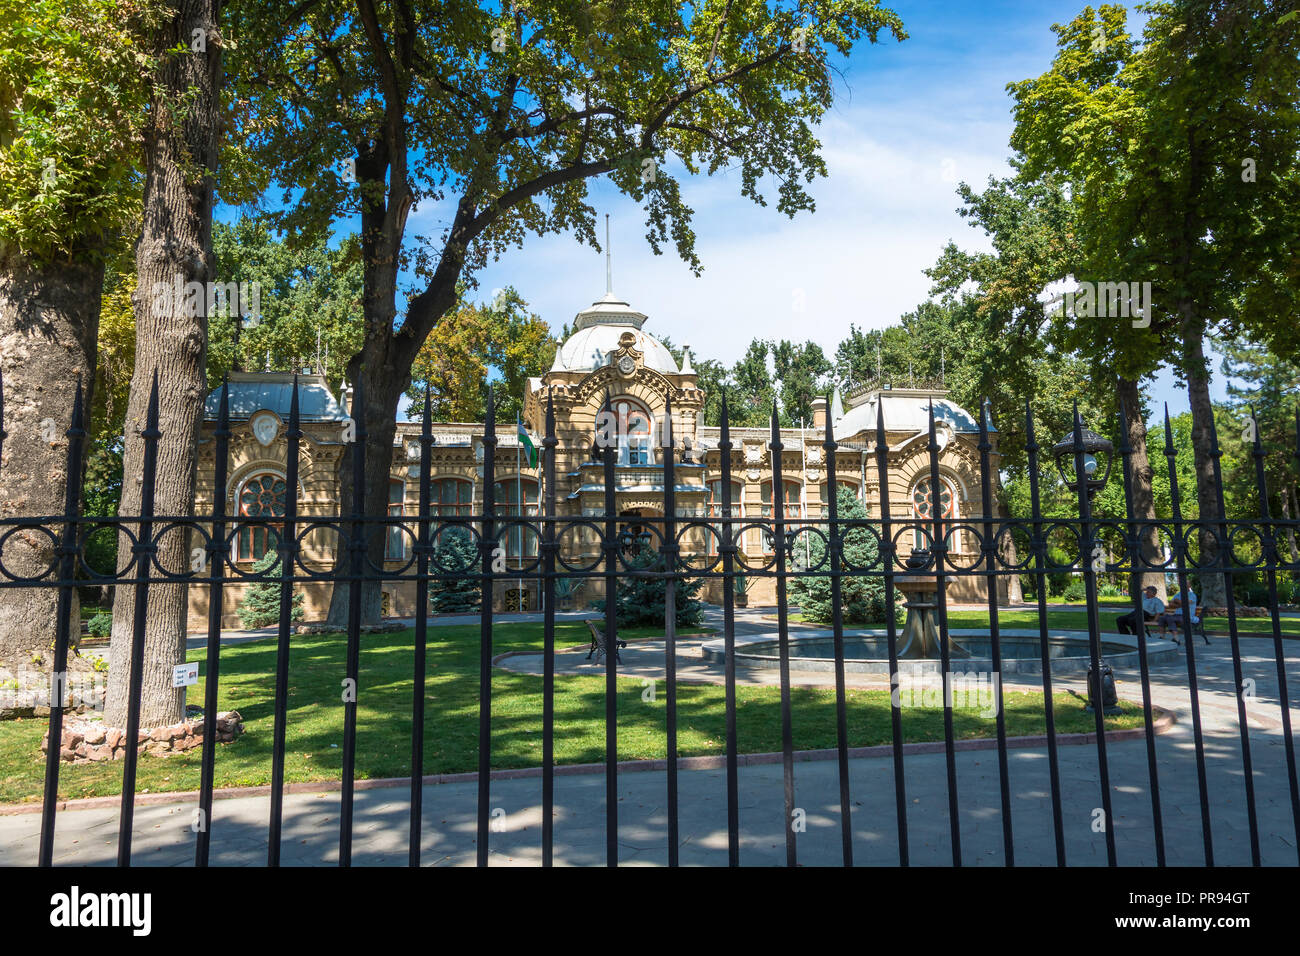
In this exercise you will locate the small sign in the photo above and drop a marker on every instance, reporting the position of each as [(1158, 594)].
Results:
[(184, 675)]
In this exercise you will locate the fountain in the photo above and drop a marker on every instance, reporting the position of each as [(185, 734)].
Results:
[(921, 636)]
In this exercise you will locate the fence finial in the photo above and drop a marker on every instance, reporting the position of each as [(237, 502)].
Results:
[(1169, 435), (666, 439)]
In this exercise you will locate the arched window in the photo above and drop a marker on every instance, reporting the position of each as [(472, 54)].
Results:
[(395, 545), (523, 543), (925, 508), (626, 422), (261, 496), (715, 508)]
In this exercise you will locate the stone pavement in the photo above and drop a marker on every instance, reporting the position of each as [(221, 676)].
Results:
[(163, 836)]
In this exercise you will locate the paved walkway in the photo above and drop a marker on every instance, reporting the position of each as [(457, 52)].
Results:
[(163, 836)]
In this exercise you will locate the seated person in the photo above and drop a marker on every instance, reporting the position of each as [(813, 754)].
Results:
[(1152, 607), (1173, 618)]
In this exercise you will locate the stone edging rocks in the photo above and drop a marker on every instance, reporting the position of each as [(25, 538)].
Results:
[(89, 741)]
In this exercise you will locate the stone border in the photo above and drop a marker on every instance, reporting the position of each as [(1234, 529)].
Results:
[(1164, 722), (1157, 652)]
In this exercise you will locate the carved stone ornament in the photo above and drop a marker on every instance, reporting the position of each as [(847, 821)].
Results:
[(626, 358), (265, 427), (753, 454), (814, 456)]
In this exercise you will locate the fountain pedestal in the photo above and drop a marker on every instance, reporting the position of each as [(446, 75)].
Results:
[(921, 634)]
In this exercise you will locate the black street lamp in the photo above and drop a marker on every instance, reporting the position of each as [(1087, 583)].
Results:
[(1098, 453), (769, 538)]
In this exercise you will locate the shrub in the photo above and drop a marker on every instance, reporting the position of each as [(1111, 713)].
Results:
[(862, 596), (1110, 591), (261, 605), (101, 625), (454, 551), (641, 601), (1075, 591)]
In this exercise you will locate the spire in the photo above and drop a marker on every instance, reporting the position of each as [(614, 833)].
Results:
[(686, 360)]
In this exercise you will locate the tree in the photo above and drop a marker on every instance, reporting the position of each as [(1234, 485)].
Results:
[(1273, 404), (802, 371), (1028, 349), (454, 552), (750, 404), (308, 303), (643, 601), (70, 101), (500, 118), (261, 604), (174, 249), (1183, 157), (468, 346), (862, 596)]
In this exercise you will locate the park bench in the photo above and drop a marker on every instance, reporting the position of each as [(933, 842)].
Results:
[(598, 644)]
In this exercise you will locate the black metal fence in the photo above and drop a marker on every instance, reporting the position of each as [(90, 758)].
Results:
[(719, 558)]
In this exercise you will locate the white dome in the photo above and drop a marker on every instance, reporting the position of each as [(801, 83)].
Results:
[(598, 331)]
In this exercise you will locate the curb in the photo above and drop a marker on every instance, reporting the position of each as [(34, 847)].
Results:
[(1163, 723)]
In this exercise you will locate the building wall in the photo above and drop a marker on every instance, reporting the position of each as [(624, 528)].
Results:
[(577, 398)]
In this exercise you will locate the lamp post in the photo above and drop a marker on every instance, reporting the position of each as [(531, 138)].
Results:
[(1084, 459)]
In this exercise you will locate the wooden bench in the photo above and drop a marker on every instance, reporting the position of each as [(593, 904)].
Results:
[(598, 644)]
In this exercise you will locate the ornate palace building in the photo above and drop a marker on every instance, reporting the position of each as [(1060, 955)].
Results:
[(609, 362)]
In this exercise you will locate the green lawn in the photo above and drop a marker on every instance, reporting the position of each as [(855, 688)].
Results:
[(383, 737)]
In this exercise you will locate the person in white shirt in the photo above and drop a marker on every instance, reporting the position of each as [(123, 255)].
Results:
[(1180, 603), (1152, 608)]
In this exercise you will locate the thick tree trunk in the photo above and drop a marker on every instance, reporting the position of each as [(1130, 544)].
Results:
[(49, 322), (175, 246), (1213, 590), (1144, 502), (382, 385)]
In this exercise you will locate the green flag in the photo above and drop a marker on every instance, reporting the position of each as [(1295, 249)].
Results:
[(527, 442)]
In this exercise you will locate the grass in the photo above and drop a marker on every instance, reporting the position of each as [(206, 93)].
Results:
[(315, 725)]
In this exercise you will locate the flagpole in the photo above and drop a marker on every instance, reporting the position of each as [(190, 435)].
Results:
[(519, 500), (803, 454)]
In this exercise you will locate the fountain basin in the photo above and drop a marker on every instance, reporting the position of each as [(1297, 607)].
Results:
[(866, 651)]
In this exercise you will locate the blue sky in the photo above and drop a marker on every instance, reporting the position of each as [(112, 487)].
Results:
[(910, 121)]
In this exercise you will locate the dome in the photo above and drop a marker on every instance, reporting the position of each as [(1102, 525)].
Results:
[(598, 331)]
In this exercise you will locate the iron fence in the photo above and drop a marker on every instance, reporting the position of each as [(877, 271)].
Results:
[(691, 546)]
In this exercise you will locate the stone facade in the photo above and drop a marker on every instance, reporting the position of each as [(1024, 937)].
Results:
[(608, 366)]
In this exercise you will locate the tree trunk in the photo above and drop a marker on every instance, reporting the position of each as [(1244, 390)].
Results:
[(1289, 512), (1144, 502), (382, 385), (1213, 590), (49, 322), (175, 247)]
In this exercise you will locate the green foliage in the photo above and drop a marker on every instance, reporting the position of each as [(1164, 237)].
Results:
[(863, 597), (101, 625), (261, 604), (309, 303), (642, 602), (499, 340), (454, 551), (72, 103), (1075, 591)]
